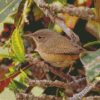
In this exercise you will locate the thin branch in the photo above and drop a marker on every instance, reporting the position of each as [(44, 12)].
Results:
[(81, 94), (46, 83), (54, 18), (82, 12), (23, 96)]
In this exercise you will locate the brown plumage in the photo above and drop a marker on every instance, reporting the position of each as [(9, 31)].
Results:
[(55, 48)]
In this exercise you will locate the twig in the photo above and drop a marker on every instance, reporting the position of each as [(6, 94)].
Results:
[(36, 62), (82, 12), (92, 98), (23, 96), (81, 94), (46, 83), (65, 77), (54, 18)]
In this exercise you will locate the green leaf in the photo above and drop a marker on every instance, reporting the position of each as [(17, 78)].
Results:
[(63, 1), (17, 86), (17, 45), (93, 70), (91, 61), (7, 7), (23, 77), (88, 56), (7, 95), (92, 43)]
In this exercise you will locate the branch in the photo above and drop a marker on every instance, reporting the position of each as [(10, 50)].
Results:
[(23, 96), (58, 20), (82, 12), (81, 94), (45, 83)]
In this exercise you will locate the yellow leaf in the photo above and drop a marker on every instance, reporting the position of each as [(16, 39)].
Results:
[(70, 21), (97, 6), (94, 28), (17, 45)]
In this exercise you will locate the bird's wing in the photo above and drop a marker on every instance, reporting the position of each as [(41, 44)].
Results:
[(61, 44)]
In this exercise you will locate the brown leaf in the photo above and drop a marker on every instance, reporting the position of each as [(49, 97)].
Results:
[(97, 6)]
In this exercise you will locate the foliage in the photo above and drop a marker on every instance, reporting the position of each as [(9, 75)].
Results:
[(17, 45), (20, 64), (7, 8), (7, 94), (91, 61)]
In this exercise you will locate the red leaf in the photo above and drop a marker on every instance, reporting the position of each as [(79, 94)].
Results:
[(88, 3), (5, 83)]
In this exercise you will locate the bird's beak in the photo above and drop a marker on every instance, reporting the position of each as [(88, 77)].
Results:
[(27, 35)]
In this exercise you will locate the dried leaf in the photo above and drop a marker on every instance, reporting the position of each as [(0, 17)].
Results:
[(94, 28), (38, 14), (97, 6)]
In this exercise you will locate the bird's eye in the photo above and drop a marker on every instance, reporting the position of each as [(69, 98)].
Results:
[(40, 37)]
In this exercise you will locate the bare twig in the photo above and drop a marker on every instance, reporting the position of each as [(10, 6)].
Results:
[(92, 98), (81, 94), (23, 96), (82, 12), (54, 18), (36, 62), (46, 83)]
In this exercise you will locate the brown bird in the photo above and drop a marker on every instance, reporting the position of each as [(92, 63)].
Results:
[(55, 48)]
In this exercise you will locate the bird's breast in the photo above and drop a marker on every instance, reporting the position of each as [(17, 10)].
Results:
[(58, 60)]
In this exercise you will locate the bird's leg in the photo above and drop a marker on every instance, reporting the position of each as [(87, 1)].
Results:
[(70, 69), (46, 70)]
